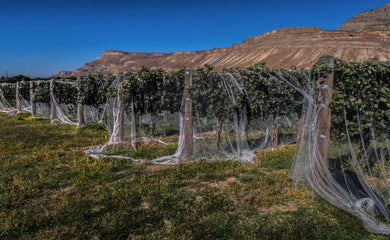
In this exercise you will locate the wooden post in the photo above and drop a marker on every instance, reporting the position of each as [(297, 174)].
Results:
[(33, 103), (80, 115), (274, 133), (80, 107), (133, 134), (324, 115), (53, 110), (188, 125), (110, 113), (120, 119), (17, 98), (274, 136), (218, 132)]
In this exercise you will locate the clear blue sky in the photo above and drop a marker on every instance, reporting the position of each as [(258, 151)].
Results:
[(38, 38)]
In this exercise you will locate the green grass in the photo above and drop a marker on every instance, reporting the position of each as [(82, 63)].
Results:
[(49, 189), (142, 152), (276, 159)]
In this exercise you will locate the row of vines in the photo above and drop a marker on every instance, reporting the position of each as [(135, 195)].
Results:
[(264, 92), (231, 114)]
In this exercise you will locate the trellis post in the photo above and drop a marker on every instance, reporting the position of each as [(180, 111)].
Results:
[(80, 115), (188, 126), (53, 111), (80, 108), (324, 113), (120, 118), (17, 98), (32, 102)]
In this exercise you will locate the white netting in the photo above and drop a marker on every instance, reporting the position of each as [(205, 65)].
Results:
[(7, 97), (231, 121), (338, 113), (352, 172), (23, 96), (228, 116), (41, 99), (69, 102), (63, 102), (92, 100), (15, 97), (57, 100), (130, 124)]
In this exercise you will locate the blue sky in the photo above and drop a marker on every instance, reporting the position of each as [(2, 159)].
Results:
[(40, 38)]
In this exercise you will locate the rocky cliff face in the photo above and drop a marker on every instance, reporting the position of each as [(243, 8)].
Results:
[(372, 20), (361, 38)]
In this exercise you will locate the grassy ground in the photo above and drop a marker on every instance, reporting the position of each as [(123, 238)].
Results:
[(49, 189)]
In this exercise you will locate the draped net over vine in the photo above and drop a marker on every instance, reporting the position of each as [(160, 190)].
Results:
[(142, 109), (353, 174), (232, 118), (41, 99), (7, 97), (237, 113), (64, 101)]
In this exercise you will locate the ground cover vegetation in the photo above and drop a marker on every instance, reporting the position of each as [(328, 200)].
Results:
[(51, 190)]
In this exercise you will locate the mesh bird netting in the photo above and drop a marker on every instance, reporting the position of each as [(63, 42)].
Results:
[(92, 97), (63, 102), (226, 115), (231, 119), (40, 106), (23, 97), (337, 113), (15, 97), (343, 153), (141, 108), (7, 97)]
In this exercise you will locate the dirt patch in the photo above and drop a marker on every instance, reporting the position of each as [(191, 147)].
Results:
[(217, 184), (156, 167), (286, 207), (222, 184)]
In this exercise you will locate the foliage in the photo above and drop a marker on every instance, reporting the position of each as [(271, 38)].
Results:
[(361, 94), (129, 91), (14, 79), (24, 89), (361, 100), (41, 91), (152, 92), (256, 91), (268, 93), (93, 90), (208, 93), (145, 88), (172, 91), (65, 92), (9, 92)]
